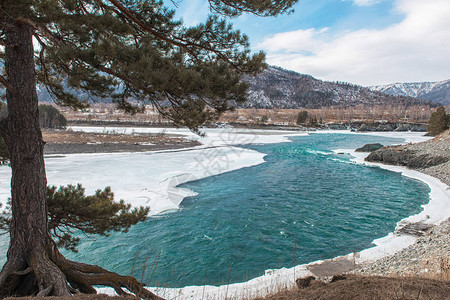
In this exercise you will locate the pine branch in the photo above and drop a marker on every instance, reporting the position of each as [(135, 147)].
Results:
[(144, 27), (42, 30), (186, 45), (125, 78), (233, 8)]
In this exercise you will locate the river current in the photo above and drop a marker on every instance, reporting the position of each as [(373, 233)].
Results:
[(305, 203)]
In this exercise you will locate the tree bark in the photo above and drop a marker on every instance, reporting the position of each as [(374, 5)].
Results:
[(34, 265), (29, 229)]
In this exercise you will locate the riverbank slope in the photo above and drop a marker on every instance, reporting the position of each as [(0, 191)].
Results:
[(431, 157)]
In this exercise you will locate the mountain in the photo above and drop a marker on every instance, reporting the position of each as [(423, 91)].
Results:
[(279, 88), (438, 92)]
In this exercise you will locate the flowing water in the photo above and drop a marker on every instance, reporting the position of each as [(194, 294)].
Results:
[(303, 204)]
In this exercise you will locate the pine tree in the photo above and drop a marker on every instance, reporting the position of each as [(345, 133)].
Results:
[(301, 117), (124, 50), (438, 122), (50, 117), (70, 210)]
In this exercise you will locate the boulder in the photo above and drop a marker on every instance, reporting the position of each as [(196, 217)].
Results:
[(419, 128), (304, 282), (403, 128), (369, 147), (405, 157), (364, 127), (338, 278)]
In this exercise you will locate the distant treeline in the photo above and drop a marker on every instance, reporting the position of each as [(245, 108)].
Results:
[(49, 117)]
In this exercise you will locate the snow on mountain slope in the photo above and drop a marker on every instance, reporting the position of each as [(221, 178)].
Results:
[(279, 88), (438, 92)]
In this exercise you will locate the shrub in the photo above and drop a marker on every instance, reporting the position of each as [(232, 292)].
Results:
[(438, 121)]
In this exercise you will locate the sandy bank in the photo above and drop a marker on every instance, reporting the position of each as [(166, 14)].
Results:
[(71, 142)]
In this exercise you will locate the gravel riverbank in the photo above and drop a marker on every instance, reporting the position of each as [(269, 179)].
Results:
[(429, 256), (69, 142)]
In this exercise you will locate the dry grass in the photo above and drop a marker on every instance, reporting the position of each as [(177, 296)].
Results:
[(444, 267), (72, 137), (418, 114), (415, 114), (353, 288), (370, 287)]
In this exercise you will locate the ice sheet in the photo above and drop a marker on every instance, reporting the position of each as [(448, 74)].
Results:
[(151, 178)]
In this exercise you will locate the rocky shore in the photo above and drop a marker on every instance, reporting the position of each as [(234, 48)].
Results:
[(431, 157), (377, 126), (430, 256)]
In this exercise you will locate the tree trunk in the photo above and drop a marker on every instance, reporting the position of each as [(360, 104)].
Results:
[(34, 265), (29, 228)]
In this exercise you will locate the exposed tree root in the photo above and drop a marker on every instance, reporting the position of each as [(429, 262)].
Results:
[(11, 272), (49, 273), (45, 292)]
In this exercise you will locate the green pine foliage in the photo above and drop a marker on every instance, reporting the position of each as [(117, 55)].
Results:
[(135, 52), (260, 8), (132, 52), (439, 121), (50, 117), (301, 117), (71, 212)]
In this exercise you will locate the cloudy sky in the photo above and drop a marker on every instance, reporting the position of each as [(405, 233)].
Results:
[(366, 42)]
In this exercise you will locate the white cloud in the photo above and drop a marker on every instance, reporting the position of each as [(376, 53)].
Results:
[(301, 40), (416, 49)]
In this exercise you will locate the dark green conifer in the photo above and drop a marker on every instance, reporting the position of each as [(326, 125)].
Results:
[(438, 122), (130, 51), (70, 212), (301, 117), (50, 117)]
